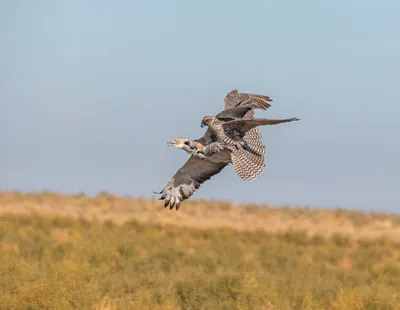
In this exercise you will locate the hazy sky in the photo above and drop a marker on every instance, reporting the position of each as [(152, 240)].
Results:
[(91, 91)]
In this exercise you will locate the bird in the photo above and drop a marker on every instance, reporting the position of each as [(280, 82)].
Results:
[(210, 154), (197, 149), (190, 147), (197, 169), (234, 99), (247, 162)]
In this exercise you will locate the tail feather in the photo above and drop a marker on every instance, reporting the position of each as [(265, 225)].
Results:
[(253, 134), (255, 147), (247, 165), (252, 139)]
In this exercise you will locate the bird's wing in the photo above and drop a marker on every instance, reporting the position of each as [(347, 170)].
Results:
[(188, 179), (234, 113), (244, 126), (209, 137), (234, 99)]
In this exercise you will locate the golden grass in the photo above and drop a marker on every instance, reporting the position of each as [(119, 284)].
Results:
[(207, 214), (109, 253)]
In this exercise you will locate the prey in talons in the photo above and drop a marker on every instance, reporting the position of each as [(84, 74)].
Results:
[(192, 147)]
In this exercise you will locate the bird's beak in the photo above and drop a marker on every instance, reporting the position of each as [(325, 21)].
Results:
[(169, 143), (203, 123)]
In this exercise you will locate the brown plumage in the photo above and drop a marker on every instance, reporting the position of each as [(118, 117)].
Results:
[(234, 99), (246, 160), (233, 138)]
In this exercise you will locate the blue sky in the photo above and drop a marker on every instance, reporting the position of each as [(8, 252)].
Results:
[(91, 91)]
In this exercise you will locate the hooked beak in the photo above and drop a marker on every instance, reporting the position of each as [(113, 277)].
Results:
[(169, 143), (203, 123)]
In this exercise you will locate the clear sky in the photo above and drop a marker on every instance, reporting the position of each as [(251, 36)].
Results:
[(91, 91)]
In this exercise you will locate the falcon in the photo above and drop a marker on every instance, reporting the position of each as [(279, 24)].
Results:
[(247, 162), (232, 136)]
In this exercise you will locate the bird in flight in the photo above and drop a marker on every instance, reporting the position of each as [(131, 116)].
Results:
[(232, 136), (246, 161)]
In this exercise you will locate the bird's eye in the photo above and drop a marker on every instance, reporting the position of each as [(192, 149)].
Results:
[(186, 142)]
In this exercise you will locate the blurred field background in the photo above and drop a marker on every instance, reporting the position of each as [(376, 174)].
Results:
[(107, 252)]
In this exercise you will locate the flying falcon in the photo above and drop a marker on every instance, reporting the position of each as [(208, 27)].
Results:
[(246, 159), (232, 137)]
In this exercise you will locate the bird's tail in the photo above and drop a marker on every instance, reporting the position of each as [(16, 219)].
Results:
[(247, 165), (252, 139)]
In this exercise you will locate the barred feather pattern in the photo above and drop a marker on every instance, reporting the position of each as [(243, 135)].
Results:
[(246, 164), (253, 136), (256, 147), (226, 137), (257, 101), (234, 99), (251, 146)]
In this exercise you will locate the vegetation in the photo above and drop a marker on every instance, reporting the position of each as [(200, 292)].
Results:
[(207, 214), (53, 261)]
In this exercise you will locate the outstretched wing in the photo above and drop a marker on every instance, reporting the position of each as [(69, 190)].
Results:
[(188, 179), (209, 137), (234, 113), (242, 126), (234, 99)]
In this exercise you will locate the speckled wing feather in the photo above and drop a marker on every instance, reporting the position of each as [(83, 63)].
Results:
[(234, 99), (188, 179)]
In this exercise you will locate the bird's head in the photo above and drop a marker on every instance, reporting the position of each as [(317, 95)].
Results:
[(205, 121), (180, 143)]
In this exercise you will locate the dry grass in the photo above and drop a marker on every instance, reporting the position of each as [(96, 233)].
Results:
[(114, 253), (207, 214)]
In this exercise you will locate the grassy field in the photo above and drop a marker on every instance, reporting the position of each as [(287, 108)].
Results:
[(107, 252)]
